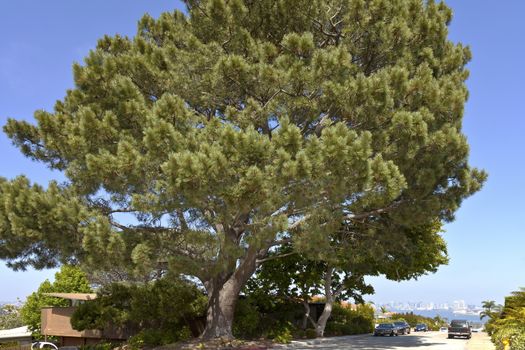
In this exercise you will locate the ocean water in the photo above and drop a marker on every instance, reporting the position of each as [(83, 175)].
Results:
[(445, 314)]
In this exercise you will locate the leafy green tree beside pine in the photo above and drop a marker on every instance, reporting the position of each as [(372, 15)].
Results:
[(336, 272)]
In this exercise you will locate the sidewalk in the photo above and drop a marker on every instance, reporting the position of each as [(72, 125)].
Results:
[(480, 341)]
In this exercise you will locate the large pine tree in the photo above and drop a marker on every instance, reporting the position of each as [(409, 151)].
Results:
[(241, 126)]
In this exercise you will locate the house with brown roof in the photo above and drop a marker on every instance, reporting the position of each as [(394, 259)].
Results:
[(56, 321)]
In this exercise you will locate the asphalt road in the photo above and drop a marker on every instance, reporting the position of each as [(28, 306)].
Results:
[(427, 341)]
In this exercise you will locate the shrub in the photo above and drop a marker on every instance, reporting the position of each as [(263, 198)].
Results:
[(162, 310), (10, 316), (310, 333), (99, 346), (412, 319), (345, 321), (510, 325), (246, 323), (156, 337), (299, 333), (514, 334), (283, 335), (258, 316)]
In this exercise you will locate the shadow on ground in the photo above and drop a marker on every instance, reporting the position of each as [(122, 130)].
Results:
[(366, 342)]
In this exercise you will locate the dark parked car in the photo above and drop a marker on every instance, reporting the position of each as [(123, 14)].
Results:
[(421, 327), (403, 327), (459, 328), (386, 329)]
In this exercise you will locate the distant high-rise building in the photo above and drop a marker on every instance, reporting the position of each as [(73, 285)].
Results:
[(459, 305)]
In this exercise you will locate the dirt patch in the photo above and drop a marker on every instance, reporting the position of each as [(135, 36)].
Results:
[(219, 344), (480, 341)]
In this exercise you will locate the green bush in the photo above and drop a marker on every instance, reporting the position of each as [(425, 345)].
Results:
[(99, 346), (510, 324), (264, 317), (283, 335), (310, 333), (159, 312), (299, 333), (515, 335), (154, 337), (246, 323), (412, 319), (345, 321), (10, 316)]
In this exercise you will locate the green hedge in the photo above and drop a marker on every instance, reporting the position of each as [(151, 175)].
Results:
[(279, 320), (15, 346), (412, 319), (345, 321), (254, 319), (509, 326), (157, 313)]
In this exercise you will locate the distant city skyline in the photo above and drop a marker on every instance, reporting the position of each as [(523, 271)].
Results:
[(485, 242), (456, 305)]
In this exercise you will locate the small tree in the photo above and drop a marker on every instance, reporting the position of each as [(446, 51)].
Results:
[(509, 325), (69, 279), (490, 309), (286, 275), (210, 138), (342, 262), (10, 316), (293, 278)]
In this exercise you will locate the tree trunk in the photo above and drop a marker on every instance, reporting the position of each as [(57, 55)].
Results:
[(222, 297), (221, 307), (306, 316), (321, 323), (329, 303)]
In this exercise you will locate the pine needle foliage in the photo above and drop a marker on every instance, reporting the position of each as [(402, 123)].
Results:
[(210, 137)]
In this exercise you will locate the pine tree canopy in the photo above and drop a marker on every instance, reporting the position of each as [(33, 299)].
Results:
[(243, 125)]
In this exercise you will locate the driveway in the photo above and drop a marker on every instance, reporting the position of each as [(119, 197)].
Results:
[(427, 341)]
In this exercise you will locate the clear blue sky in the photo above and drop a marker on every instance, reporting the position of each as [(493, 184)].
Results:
[(486, 242)]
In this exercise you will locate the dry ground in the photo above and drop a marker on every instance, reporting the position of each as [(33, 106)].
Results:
[(427, 341)]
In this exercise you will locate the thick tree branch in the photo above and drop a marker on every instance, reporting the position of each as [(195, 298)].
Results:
[(373, 212), (328, 283), (281, 242), (260, 261), (271, 98), (117, 225), (122, 210), (339, 290), (298, 222), (141, 228), (182, 220), (307, 313)]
